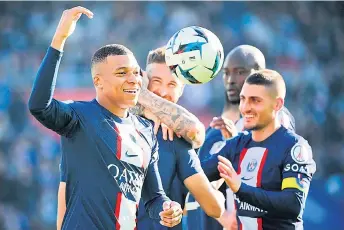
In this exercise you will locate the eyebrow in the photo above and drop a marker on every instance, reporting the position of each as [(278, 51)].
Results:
[(156, 77), (249, 96), (160, 78), (126, 68)]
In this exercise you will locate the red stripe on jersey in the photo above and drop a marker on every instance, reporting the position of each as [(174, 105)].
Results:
[(118, 210), (137, 206), (260, 223), (242, 155), (119, 143), (240, 226), (260, 171)]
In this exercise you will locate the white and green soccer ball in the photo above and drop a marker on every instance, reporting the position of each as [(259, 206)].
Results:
[(195, 55)]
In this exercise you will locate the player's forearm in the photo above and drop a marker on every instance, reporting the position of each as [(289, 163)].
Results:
[(44, 85), (174, 116), (58, 43), (155, 206), (286, 203)]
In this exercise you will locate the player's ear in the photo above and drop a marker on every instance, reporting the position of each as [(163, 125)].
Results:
[(279, 103), (97, 82)]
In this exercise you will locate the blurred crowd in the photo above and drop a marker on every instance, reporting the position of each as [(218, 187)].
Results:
[(301, 40)]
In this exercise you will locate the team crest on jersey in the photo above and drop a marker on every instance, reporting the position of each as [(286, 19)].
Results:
[(299, 154), (251, 166)]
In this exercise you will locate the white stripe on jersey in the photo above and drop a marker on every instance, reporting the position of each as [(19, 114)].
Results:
[(127, 214), (134, 148), (248, 223), (250, 165)]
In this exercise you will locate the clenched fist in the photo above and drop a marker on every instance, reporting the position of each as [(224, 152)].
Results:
[(67, 25)]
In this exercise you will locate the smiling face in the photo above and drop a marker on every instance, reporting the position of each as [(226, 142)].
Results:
[(163, 83), (261, 97), (256, 107), (118, 80)]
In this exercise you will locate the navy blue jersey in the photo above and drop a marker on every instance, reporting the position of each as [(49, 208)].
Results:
[(275, 174), (176, 158), (107, 161), (213, 143)]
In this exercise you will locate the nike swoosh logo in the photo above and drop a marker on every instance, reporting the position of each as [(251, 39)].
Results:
[(243, 178), (134, 155)]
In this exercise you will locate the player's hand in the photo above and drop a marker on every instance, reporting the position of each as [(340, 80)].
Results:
[(228, 220), (167, 133), (67, 24), (171, 215), (228, 173), (226, 126)]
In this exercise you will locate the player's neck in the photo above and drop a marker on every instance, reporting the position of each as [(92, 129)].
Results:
[(263, 134), (119, 112), (231, 112)]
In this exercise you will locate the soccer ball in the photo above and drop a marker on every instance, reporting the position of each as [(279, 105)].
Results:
[(194, 55)]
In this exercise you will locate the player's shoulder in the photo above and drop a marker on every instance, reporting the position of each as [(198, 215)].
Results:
[(297, 147), (212, 133), (81, 105), (291, 138)]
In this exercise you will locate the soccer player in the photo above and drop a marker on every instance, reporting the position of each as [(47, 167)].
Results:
[(110, 155), (176, 158), (269, 169), (239, 64)]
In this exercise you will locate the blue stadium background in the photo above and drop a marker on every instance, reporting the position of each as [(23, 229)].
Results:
[(302, 40)]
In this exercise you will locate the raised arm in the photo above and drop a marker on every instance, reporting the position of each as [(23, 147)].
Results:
[(180, 120), (54, 114)]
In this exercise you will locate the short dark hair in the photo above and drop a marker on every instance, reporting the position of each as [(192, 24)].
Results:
[(269, 78), (156, 56), (109, 50)]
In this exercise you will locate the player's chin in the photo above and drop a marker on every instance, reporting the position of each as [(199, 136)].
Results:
[(233, 99), (131, 102), (250, 126)]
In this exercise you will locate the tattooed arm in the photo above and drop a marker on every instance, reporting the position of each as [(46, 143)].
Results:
[(137, 110), (174, 116)]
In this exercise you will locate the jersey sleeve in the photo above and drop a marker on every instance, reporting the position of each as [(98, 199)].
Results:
[(153, 194), (298, 170), (298, 167), (53, 114), (212, 144), (187, 160)]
